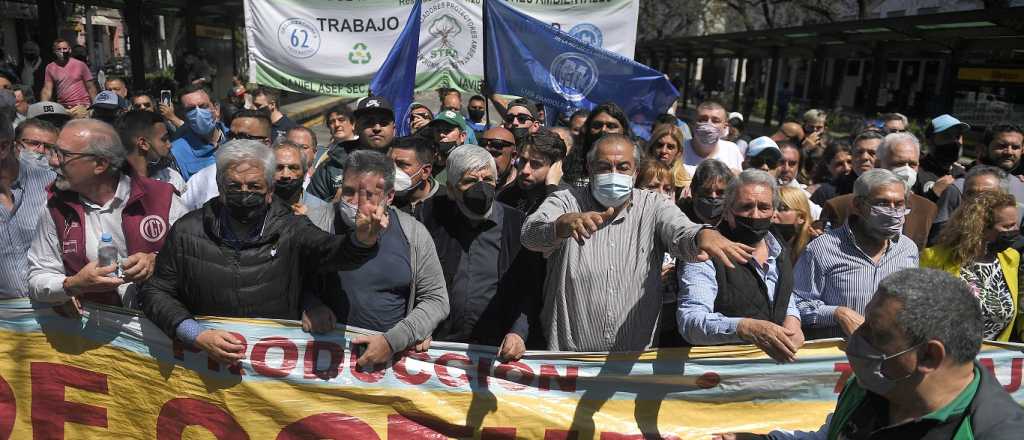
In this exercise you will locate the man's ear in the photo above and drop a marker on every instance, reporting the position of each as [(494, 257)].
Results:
[(142, 145), (428, 171)]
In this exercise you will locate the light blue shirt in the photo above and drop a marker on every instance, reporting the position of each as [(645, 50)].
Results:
[(18, 226), (698, 322)]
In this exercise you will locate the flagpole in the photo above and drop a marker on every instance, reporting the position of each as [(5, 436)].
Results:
[(486, 85)]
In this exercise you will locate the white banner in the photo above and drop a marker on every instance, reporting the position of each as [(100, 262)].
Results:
[(326, 47), (610, 25)]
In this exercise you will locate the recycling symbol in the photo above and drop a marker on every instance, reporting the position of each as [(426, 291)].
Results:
[(359, 54)]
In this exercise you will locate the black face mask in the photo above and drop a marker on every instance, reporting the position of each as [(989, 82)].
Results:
[(748, 230), (1004, 241), (478, 198), (947, 153), (710, 209), (287, 188), (245, 206), (786, 232), (519, 133), (475, 115), (444, 147)]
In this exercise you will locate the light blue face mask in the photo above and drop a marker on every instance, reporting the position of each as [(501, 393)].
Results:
[(611, 190), (38, 159), (200, 121)]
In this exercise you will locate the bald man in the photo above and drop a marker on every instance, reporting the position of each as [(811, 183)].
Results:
[(92, 196), (789, 131), (502, 145)]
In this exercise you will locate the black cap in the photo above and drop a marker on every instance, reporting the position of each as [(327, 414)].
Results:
[(523, 102), (374, 103)]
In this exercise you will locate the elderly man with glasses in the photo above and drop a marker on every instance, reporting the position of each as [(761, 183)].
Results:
[(91, 200)]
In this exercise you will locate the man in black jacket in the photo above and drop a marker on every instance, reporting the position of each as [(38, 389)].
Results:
[(244, 254), (494, 283)]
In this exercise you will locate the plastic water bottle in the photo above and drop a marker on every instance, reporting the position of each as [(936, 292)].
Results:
[(107, 253)]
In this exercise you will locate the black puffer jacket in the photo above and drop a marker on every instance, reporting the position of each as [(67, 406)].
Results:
[(198, 273)]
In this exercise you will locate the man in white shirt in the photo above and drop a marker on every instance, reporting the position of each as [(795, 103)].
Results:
[(92, 197), (708, 142)]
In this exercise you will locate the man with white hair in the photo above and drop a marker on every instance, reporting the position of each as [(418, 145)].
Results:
[(749, 303), (603, 289), (493, 287), (900, 153), (839, 271), (93, 200), (244, 254)]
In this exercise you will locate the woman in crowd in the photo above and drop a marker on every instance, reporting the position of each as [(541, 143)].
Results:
[(704, 205), (975, 245), (655, 176), (792, 222), (605, 118), (666, 145), (835, 173)]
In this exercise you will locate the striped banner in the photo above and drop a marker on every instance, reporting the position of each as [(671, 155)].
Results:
[(111, 374)]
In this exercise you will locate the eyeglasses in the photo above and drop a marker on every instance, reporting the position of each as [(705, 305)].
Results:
[(246, 136), (522, 118), (35, 145), (63, 156), (598, 125)]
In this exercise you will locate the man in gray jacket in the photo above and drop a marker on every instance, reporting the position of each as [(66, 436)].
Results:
[(401, 291)]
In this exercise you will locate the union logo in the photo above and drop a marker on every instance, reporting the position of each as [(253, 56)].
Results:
[(153, 228), (573, 75)]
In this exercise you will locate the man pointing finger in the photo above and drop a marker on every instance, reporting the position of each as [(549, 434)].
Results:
[(612, 269)]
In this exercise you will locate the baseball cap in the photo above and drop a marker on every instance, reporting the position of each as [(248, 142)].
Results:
[(374, 103), (109, 100), (763, 145), (526, 103), (46, 108), (946, 122), (451, 117), (735, 115)]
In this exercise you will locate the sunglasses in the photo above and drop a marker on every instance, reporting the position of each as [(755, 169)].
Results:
[(247, 136), (598, 125), (758, 162), (521, 118)]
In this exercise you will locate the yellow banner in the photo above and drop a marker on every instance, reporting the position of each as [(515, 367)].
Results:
[(110, 374)]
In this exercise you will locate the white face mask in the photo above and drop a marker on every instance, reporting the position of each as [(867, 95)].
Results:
[(403, 181), (908, 174)]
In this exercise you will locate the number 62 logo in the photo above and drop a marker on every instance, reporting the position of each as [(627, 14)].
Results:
[(298, 38)]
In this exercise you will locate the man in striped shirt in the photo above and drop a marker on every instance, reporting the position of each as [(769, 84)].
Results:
[(603, 288), (22, 195), (839, 272)]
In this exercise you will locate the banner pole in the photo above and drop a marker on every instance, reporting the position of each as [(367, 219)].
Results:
[(486, 85)]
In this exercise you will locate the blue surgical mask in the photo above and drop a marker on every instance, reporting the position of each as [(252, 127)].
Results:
[(38, 159), (611, 189), (200, 121)]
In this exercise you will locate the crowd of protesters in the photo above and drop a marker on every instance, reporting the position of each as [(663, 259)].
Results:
[(577, 237)]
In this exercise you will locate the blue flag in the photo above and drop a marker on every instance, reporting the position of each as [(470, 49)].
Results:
[(527, 57), (396, 79)]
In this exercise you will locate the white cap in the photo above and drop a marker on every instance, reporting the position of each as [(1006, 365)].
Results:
[(760, 145), (735, 115)]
